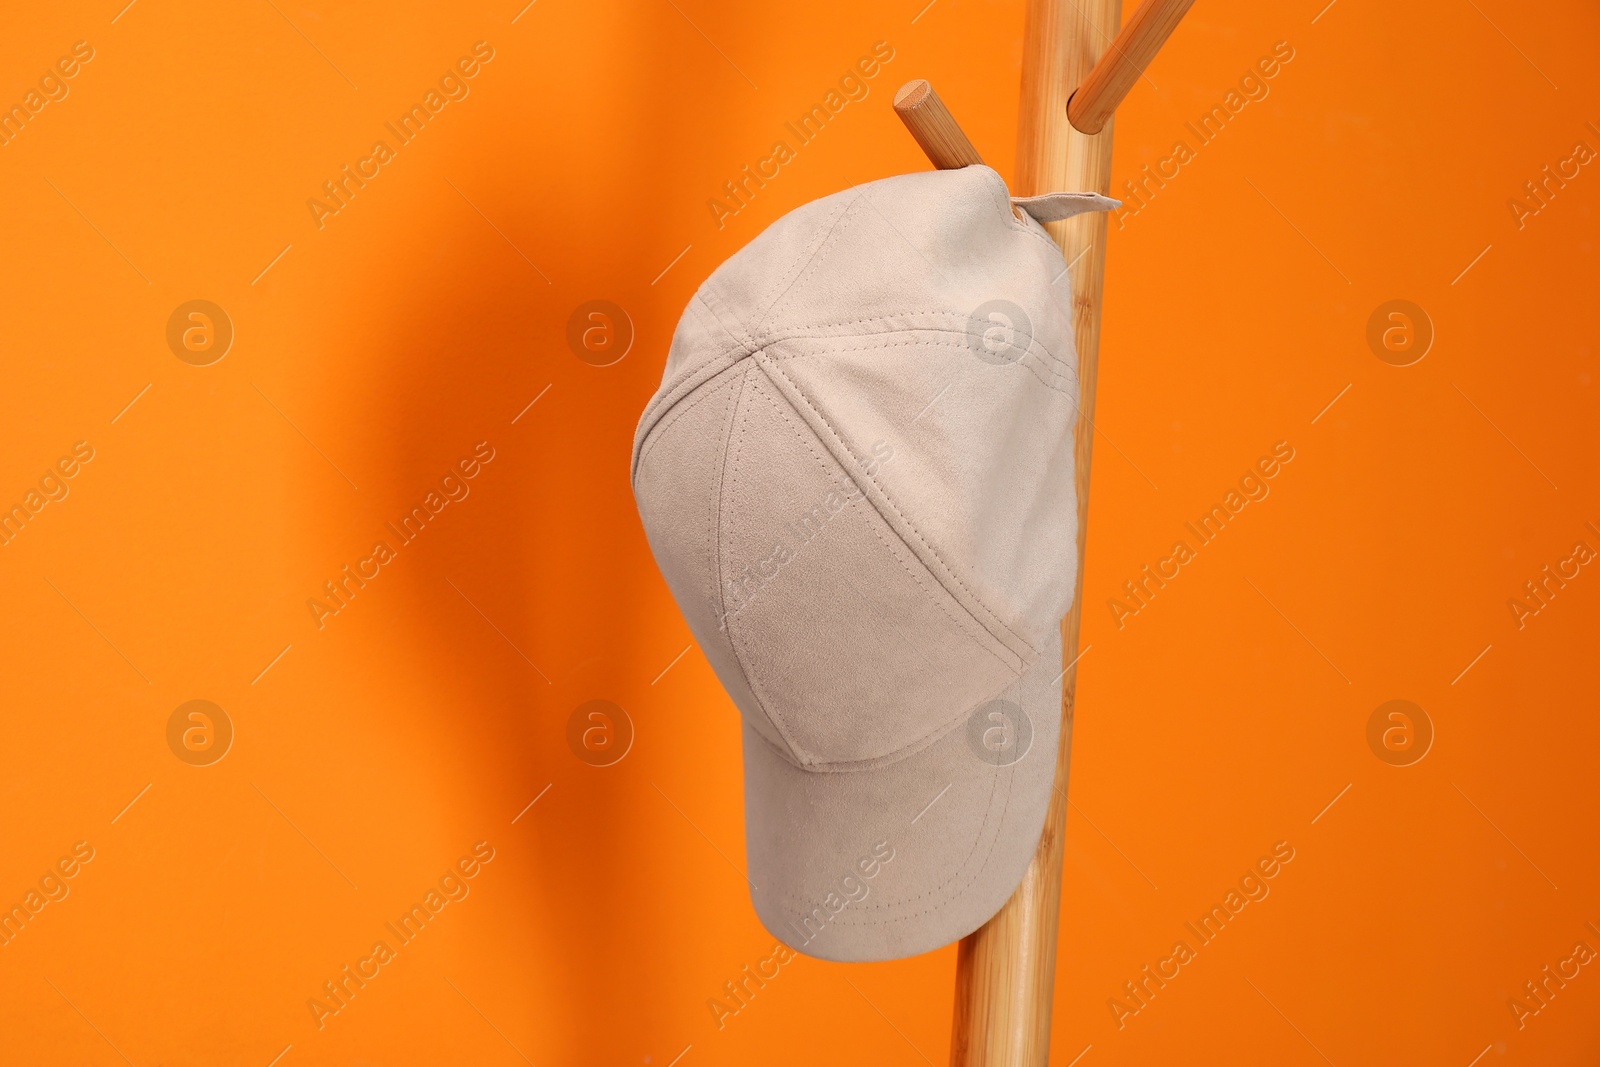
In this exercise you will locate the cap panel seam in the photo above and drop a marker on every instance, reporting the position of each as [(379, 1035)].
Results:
[(891, 329), (1050, 361), (993, 184), (993, 622), (965, 625), (942, 312), (730, 460), (699, 395), (984, 614), (781, 287), (725, 317), (743, 336), (669, 395), (812, 263)]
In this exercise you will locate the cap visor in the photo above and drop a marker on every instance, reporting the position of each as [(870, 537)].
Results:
[(901, 859)]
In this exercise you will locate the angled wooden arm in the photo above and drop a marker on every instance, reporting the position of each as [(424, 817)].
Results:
[(933, 127), (1090, 108)]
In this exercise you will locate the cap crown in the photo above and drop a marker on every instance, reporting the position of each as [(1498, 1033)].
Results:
[(857, 476)]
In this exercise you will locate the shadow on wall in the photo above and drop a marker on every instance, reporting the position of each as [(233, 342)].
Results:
[(516, 564)]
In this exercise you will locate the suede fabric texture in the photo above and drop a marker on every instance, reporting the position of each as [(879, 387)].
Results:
[(857, 480)]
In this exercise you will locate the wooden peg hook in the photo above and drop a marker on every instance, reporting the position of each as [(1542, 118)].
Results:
[(1136, 44)]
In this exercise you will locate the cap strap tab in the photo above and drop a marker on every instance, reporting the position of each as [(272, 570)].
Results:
[(1052, 207)]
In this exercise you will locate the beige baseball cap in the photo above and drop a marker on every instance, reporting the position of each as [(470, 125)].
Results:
[(857, 479)]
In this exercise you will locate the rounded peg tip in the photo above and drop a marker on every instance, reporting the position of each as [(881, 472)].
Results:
[(1080, 119), (934, 128), (911, 94)]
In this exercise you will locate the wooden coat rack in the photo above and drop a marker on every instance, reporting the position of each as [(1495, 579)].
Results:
[(1073, 77)]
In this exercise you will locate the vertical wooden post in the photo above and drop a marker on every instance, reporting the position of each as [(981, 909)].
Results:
[(1005, 971)]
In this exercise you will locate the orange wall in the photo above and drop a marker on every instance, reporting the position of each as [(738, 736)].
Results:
[(374, 751)]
